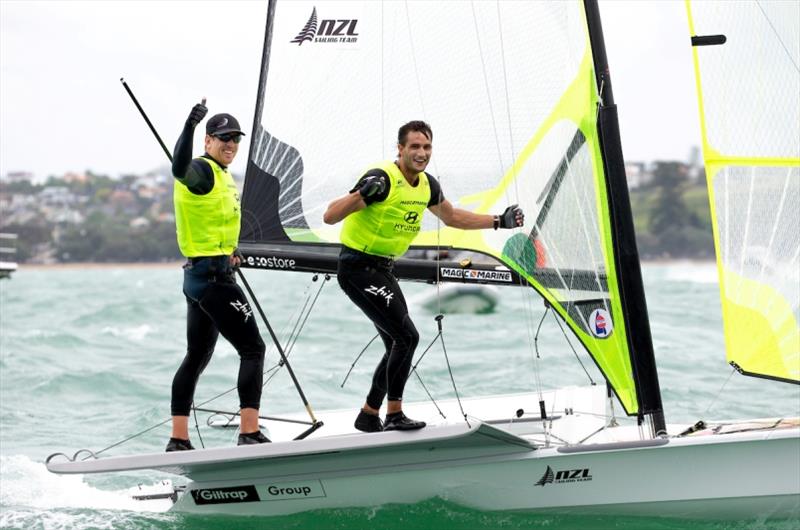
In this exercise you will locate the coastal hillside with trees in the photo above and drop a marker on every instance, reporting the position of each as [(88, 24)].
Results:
[(95, 218)]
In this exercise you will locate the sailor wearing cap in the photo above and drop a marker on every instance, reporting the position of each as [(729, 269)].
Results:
[(207, 216)]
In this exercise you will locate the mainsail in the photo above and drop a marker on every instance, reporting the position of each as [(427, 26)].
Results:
[(511, 91), (747, 57)]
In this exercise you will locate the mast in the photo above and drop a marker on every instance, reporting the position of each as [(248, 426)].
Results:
[(626, 253), (262, 77)]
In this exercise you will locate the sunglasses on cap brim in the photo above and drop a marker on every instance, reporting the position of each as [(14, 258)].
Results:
[(227, 137)]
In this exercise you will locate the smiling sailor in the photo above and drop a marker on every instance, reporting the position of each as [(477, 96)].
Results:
[(208, 215), (382, 215)]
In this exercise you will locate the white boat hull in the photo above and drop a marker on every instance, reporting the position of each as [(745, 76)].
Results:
[(499, 465), (712, 479)]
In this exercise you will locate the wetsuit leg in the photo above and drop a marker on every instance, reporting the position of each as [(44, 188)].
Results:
[(201, 337), (226, 305), (376, 292)]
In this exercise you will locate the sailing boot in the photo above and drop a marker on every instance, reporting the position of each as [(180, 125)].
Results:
[(176, 444), (400, 422), (253, 438), (366, 422)]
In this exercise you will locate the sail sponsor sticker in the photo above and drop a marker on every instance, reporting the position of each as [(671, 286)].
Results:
[(225, 495), (476, 275), (284, 491), (270, 262), (600, 323)]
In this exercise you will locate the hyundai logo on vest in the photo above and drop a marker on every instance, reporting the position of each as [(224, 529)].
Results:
[(411, 217)]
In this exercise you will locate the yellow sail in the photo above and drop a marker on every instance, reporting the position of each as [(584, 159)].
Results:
[(746, 57)]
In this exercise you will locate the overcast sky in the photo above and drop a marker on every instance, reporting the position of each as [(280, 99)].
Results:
[(62, 107)]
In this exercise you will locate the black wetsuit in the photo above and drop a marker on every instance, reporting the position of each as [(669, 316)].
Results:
[(215, 305), (368, 281)]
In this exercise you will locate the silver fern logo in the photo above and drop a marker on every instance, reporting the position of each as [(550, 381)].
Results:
[(547, 478), (309, 30), (339, 30)]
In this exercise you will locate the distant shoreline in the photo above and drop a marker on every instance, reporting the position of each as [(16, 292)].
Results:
[(178, 264), (102, 265)]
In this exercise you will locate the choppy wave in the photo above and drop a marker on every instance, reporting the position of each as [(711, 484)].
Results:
[(87, 360), (27, 485), (136, 333)]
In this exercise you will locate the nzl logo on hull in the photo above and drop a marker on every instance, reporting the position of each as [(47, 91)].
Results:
[(226, 495), (340, 30), (564, 476)]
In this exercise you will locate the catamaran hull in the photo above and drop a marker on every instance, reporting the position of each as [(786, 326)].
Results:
[(731, 476)]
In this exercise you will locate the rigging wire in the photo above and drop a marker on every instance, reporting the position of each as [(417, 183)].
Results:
[(353, 365), (450, 370), (719, 392), (488, 92), (196, 407), (577, 357), (197, 427), (777, 36), (525, 296), (413, 370), (299, 325)]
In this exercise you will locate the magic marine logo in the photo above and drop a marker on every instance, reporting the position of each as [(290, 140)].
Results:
[(564, 476), (476, 275), (339, 30)]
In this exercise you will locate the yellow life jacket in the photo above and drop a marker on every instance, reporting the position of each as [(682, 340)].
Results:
[(387, 228), (208, 225)]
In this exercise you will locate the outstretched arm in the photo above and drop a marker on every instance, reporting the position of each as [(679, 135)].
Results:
[(342, 207), (458, 218), (466, 220)]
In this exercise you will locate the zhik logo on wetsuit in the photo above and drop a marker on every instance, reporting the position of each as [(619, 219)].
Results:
[(382, 292), (244, 308), (341, 30)]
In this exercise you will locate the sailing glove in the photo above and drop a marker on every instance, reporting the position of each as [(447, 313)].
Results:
[(371, 185), (511, 218), (197, 114)]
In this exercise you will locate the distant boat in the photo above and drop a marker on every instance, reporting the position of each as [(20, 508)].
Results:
[(8, 253), (469, 296), (459, 298)]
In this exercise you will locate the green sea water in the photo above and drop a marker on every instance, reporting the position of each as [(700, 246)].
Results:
[(87, 357)]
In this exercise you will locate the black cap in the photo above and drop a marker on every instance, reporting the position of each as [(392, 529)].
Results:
[(222, 124)]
